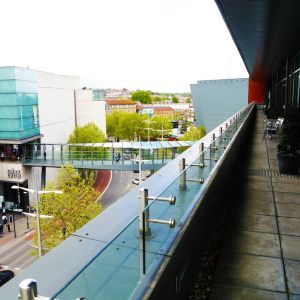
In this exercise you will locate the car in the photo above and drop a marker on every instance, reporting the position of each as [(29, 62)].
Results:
[(5, 276), (137, 181), (127, 155)]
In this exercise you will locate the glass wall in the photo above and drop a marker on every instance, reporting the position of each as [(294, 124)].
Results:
[(18, 103), (284, 88)]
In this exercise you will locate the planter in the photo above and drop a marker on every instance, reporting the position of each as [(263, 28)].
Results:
[(288, 163)]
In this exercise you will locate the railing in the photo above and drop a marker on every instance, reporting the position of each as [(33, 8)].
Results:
[(144, 244), (93, 157)]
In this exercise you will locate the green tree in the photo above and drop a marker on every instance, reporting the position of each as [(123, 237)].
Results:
[(126, 126), (132, 126), (113, 124), (194, 134), (188, 100), (156, 99), (175, 99), (89, 133), (159, 123), (70, 210), (142, 96)]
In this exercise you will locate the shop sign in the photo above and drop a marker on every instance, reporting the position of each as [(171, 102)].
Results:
[(13, 172)]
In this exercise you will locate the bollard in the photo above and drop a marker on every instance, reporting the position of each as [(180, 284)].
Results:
[(28, 289)]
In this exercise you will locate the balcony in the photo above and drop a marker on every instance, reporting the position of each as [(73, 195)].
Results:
[(260, 257), (131, 252)]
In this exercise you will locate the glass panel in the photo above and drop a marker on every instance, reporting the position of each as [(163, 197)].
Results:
[(7, 73), (123, 260)]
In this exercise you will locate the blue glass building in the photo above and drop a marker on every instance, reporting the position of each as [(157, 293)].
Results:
[(216, 100), (18, 104)]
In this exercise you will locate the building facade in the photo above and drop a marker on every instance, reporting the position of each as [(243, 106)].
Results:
[(36, 107), (215, 100), (128, 106), (90, 108)]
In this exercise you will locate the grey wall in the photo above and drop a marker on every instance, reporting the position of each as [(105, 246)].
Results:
[(216, 100)]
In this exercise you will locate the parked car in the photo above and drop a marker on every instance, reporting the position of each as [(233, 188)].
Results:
[(127, 155), (5, 276), (136, 181)]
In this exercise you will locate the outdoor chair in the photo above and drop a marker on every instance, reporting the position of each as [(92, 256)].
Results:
[(272, 127)]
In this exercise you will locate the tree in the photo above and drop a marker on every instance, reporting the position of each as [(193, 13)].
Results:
[(188, 100), (126, 126), (131, 126), (175, 99), (142, 96), (194, 134), (70, 210), (113, 124), (159, 123), (156, 99), (89, 133)]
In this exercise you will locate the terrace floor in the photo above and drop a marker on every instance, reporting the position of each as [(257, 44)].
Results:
[(260, 256)]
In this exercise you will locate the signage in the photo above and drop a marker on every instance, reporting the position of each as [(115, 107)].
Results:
[(13, 172)]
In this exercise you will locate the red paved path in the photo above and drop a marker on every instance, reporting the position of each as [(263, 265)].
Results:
[(102, 181)]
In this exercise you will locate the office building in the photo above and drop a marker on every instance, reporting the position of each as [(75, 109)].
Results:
[(215, 100)]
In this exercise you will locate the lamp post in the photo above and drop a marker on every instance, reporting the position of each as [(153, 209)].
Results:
[(37, 194)]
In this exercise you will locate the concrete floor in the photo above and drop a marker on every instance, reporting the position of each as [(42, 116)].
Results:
[(261, 254)]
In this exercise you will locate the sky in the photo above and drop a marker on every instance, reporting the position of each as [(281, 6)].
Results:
[(158, 45)]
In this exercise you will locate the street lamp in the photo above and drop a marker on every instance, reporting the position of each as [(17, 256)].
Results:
[(37, 193)]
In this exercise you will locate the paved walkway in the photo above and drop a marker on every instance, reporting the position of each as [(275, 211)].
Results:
[(261, 254), (22, 228)]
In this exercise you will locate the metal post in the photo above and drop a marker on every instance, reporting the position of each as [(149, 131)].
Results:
[(43, 177), (62, 154), (38, 217), (144, 244), (182, 178), (143, 205), (212, 146), (28, 289), (27, 221), (213, 140), (19, 197), (52, 154), (140, 162), (201, 149), (14, 224)]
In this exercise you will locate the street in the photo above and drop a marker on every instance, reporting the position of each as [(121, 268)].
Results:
[(14, 254), (117, 188)]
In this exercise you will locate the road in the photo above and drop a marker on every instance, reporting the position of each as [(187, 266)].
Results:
[(117, 188), (14, 254)]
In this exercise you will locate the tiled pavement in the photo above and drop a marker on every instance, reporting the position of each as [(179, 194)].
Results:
[(261, 254)]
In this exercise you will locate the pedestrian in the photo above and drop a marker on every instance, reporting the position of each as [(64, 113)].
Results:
[(45, 154), (4, 220)]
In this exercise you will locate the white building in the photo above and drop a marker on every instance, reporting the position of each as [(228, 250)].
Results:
[(90, 108), (56, 106)]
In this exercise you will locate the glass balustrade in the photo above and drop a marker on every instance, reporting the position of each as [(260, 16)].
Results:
[(117, 270)]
